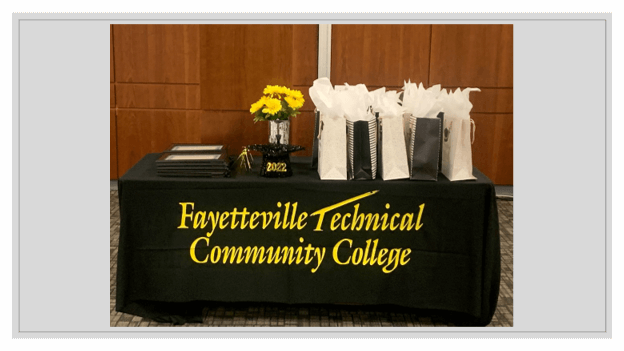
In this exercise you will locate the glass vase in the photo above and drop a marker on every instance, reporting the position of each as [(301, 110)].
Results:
[(279, 128)]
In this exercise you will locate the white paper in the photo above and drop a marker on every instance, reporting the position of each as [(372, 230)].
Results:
[(192, 157), (197, 147), (457, 146), (421, 102)]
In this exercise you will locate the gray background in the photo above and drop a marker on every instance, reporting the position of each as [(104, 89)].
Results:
[(61, 237)]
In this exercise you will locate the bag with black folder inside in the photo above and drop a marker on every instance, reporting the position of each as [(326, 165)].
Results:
[(361, 132), (423, 117)]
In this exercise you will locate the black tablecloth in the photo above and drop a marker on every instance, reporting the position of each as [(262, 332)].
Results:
[(453, 263)]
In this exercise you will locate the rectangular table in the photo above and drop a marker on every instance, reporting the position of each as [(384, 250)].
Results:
[(415, 244)]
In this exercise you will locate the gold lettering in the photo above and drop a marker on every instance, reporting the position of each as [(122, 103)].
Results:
[(343, 226), (404, 254), (234, 251), (382, 253), (266, 223), (366, 259), (273, 255), (197, 222), (234, 222), (299, 252), (258, 254), (186, 215), (288, 255), (409, 224), (293, 217), (215, 254), (392, 226), (393, 258), (335, 252), (308, 250), (287, 208), (359, 253), (369, 218), (335, 219), (373, 258), (418, 224), (213, 220), (384, 221), (277, 219), (244, 218), (322, 211), (302, 218), (194, 244), (320, 254), (224, 216), (252, 221), (357, 218)]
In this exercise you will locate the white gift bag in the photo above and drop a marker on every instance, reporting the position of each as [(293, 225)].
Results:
[(392, 158), (332, 136), (393, 163), (458, 127), (332, 148)]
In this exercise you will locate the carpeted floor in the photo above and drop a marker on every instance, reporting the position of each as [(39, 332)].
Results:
[(279, 315)]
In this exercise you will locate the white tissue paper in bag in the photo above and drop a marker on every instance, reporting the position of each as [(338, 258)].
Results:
[(332, 143), (355, 102), (393, 148), (421, 103), (457, 145)]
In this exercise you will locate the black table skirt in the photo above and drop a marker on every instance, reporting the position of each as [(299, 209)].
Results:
[(453, 263)]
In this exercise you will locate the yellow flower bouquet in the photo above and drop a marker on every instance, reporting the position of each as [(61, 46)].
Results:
[(277, 103)]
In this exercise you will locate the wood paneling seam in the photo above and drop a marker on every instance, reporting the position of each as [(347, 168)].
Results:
[(430, 40)]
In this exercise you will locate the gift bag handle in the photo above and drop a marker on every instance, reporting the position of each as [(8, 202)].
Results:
[(474, 128)]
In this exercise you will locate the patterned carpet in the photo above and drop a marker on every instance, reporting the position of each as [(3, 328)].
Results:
[(265, 314)]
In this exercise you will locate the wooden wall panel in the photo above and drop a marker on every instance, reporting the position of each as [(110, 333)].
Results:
[(302, 132), (112, 95), (158, 96), (113, 145), (238, 61), (156, 53), (305, 54), (380, 55), (492, 150), (144, 131), (490, 100), (472, 55), (234, 128)]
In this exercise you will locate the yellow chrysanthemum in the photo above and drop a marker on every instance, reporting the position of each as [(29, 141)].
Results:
[(294, 103), (295, 93), (258, 105), (269, 90), (273, 106), (274, 89)]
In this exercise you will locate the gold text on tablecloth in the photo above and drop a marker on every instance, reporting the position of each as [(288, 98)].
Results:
[(288, 218)]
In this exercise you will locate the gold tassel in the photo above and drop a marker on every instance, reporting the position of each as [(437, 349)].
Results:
[(246, 159)]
